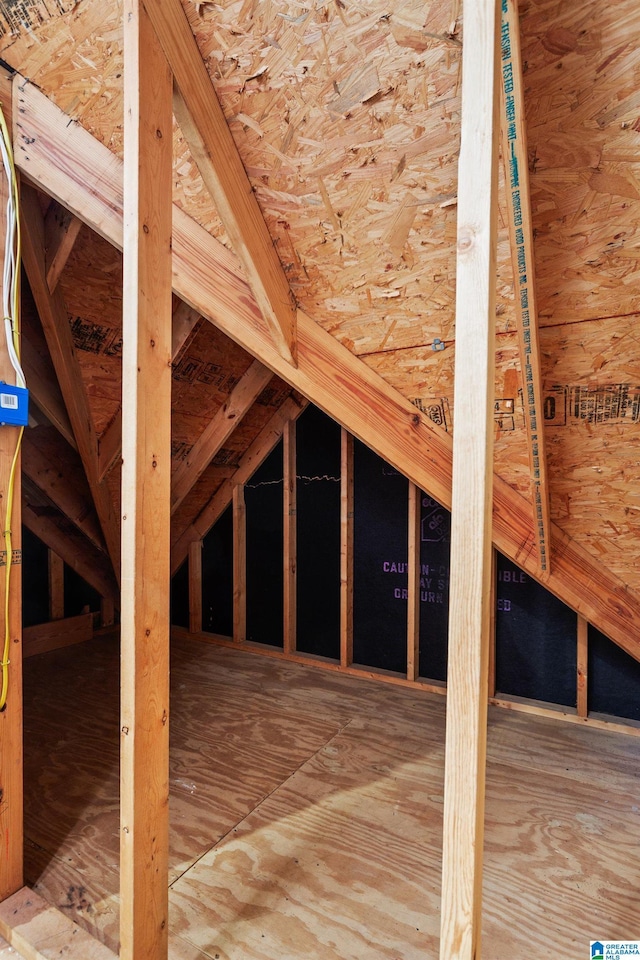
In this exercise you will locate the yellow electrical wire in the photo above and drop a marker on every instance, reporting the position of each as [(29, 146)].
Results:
[(15, 326), (4, 688)]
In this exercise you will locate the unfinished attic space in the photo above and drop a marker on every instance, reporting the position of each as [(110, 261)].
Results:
[(319, 450)]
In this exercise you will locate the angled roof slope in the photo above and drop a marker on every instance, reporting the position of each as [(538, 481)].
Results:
[(346, 117)]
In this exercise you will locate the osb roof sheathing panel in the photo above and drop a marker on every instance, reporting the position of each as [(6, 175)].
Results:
[(347, 117)]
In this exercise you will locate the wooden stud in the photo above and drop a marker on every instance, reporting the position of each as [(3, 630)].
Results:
[(11, 793), (346, 548), (239, 565), (208, 276), (146, 488), (469, 607), (582, 667), (56, 586), (195, 587), (107, 612), (250, 461), (516, 171), (290, 559), (205, 128), (491, 683), (413, 583), (61, 231), (218, 430), (55, 323)]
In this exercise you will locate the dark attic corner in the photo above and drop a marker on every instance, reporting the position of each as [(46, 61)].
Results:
[(321, 524)]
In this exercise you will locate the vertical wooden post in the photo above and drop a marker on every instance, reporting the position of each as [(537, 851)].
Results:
[(346, 549), (289, 535), (582, 667), (239, 565), (146, 480), (470, 597), (491, 682), (107, 612), (413, 584), (195, 586), (11, 793), (56, 586)]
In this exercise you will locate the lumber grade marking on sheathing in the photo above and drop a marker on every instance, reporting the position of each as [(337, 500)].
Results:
[(86, 178), (514, 151)]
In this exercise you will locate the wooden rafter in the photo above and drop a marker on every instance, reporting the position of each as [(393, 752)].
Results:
[(61, 231), (61, 489), (146, 487), (44, 389), (471, 514), (251, 460), (516, 172), (182, 324), (218, 430), (205, 129), (57, 330), (83, 174), (76, 551), (110, 446)]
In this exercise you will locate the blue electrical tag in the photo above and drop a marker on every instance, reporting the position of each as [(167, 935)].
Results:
[(14, 405)]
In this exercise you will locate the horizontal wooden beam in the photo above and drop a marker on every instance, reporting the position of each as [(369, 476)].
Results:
[(204, 127), (59, 633), (86, 177)]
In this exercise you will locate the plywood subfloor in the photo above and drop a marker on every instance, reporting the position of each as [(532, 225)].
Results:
[(306, 813)]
